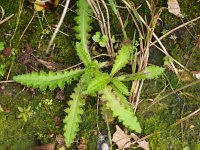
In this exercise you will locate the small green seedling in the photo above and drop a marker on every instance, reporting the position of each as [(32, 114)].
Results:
[(45, 31), (25, 113), (100, 39)]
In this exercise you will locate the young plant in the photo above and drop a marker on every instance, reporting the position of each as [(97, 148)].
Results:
[(92, 81), (100, 39), (25, 113)]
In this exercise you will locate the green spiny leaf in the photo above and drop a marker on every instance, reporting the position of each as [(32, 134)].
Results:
[(90, 71), (83, 55), (120, 86), (43, 80), (72, 120), (122, 59), (98, 83), (122, 99), (83, 27), (134, 76), (150, 72), (124, 115), (153, 72)]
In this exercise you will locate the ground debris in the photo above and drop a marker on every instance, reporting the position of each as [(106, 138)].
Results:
[(50, 146), (173, 7), (123, 140)]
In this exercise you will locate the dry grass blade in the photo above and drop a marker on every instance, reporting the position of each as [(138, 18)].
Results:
[(59, 25), (186, 118), (110, 45), (162, 46), (8, 81), (173, 92), (103, 23), (21, 4), (144, 46), (171, 31), (2, 16), (6, 19), (34, 14), (2, 12)]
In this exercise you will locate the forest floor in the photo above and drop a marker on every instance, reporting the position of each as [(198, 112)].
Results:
[(29, 117)]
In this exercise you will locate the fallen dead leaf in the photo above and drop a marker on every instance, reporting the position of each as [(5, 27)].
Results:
[(185, 77), (61, 142), (50, 146), (39, 5), (82, 144), (60, 139), (121, 139), (57, 121), (142, 144), (196, 74), (173, 7), (50, 65), (60, 95)]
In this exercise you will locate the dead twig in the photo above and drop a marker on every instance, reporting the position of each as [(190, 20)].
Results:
[(6, 19), (7, 81), (186, 118), (34, 14), (171, 31), (173, 92), (21, 4), (59, 25), (104, 22)]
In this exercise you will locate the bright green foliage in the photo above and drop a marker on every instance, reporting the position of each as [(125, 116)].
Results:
[(122, 98), (43, 80), (122, 59), (92, 80), (151, 72), (83, 21), (96, 37), (124, 115), (25, 113), (90, 72), (101, 40), (73, 118), (120, 86), (98, 83)]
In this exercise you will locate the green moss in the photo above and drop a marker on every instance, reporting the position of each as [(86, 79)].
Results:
[(158, 119), (40, 126)]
